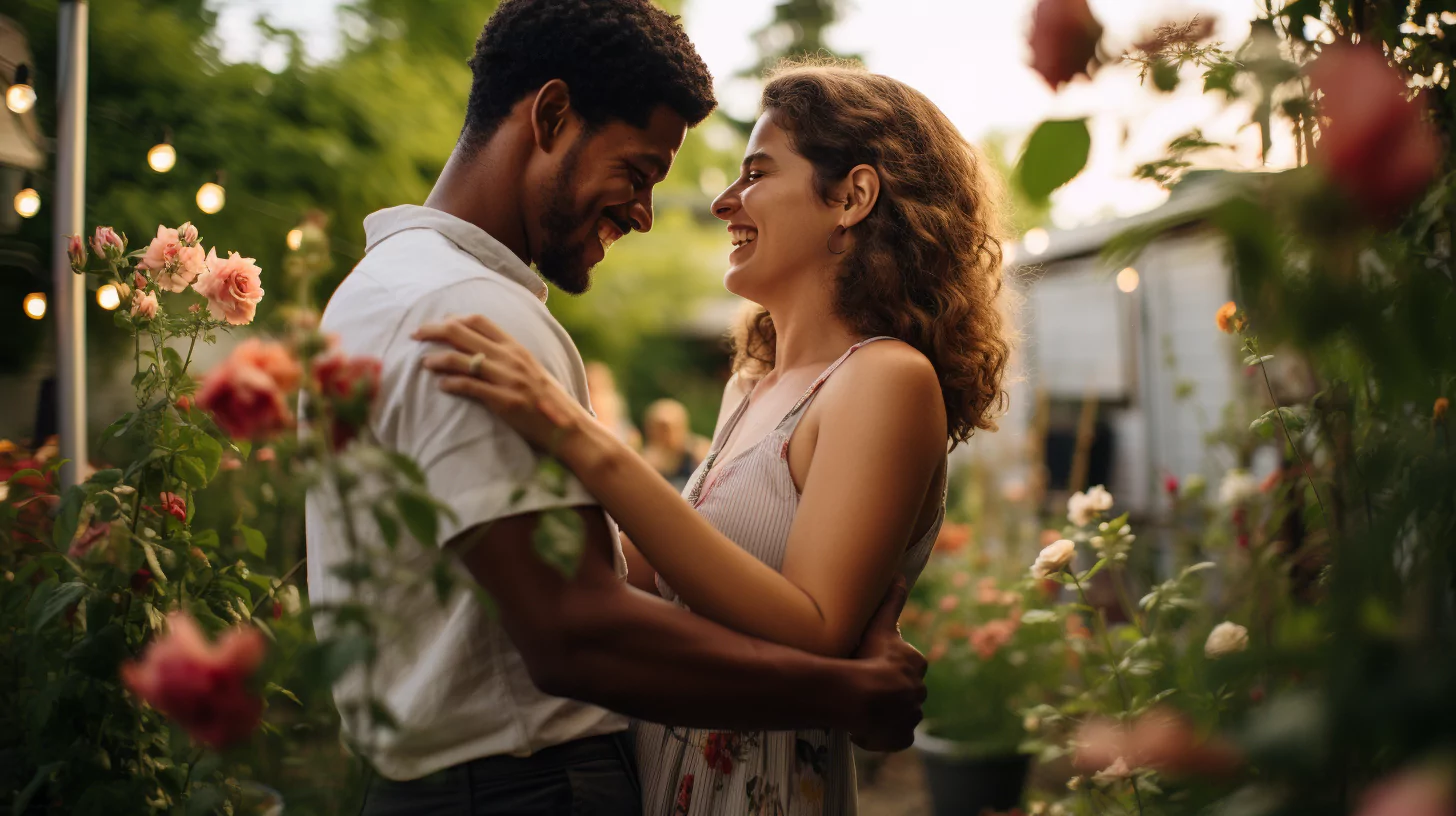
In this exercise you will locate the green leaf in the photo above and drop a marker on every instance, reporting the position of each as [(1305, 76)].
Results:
[(46, 605), (408, 467), (1255, 359), (101, 651), (1054, 155), (340, 654), (420, 516), (253, 540), (209, 452), (274, 688), (1096, 568), (207, 540), (388, 525), (191, 471), (28, 473), (68, 517), (1165, 76), (558, 539), (105, 479)]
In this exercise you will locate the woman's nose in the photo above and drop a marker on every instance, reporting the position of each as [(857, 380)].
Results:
[(724, 205)]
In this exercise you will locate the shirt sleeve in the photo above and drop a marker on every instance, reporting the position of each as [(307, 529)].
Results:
[(474, 462)]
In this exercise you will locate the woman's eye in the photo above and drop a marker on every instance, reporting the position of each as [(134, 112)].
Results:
[(753, 175)]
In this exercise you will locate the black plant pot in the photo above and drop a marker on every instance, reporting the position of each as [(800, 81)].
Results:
[(965, 785)]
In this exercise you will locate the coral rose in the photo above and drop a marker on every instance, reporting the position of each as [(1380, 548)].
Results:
[(1227, 318), (144, 305), (952, 538), (232, 287), (348, 385), (1377, 147), (987, 640), (204, 687), (273, 359), (244, 394), (185, 268), (1064, 37)]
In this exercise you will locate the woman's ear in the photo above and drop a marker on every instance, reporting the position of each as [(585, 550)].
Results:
[(551, 114), (861, 192)]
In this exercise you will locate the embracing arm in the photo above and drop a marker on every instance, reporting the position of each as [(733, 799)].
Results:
[(876, 454), (877, 451), (592, 638)]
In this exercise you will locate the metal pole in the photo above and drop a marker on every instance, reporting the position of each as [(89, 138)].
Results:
[(69, 289)]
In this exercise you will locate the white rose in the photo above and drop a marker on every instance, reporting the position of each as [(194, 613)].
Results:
[(1079, 509), (1238, 486), (1100, 499), (1053, 558), (289, 599), (1226, 638), (1117, 770)]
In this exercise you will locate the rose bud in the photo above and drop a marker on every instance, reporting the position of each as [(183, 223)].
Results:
[(76, 248), (1064, 37)]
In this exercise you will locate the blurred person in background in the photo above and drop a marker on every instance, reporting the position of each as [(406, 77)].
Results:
[(672, 448), (577, 109), (608, 405), (867, 228)]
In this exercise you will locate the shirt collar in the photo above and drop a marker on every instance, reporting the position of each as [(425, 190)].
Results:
[(470, 238)]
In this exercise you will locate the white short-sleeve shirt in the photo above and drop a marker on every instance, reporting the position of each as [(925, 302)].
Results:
[(448, 673)]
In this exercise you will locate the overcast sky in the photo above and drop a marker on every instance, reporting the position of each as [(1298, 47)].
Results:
[(969, 56)]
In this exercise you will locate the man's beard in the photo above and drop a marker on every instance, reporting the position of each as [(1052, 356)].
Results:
[(561, 261)]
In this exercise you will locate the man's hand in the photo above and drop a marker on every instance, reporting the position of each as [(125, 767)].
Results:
[(891, 680)]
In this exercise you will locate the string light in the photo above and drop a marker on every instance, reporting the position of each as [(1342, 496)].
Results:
[(35, 305), (1036, 240), (162, 157), (211, 197), (1127, 280), (20, 96), (27, 202), (295, 239), (107, 297)]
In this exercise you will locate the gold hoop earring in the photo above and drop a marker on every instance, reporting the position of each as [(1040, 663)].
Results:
[(840, 230)]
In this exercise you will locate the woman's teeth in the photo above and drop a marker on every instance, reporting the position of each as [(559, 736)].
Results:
[(743, 235)]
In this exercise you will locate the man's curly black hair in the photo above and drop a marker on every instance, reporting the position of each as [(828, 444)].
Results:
[(620, 58)]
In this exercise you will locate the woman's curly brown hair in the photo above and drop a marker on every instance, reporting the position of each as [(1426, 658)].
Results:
[(926, 262)]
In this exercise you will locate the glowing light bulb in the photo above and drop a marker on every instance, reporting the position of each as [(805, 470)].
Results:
[(295, 239), (35, 305), (162, 157), (27, 202), (20, 97), (107, 297), (1127, 280), (211, 197), (1036, 240)]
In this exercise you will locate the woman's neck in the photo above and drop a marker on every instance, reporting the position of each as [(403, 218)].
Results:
[(807, 330)]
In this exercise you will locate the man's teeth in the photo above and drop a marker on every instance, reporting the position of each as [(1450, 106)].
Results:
[(743, 236)]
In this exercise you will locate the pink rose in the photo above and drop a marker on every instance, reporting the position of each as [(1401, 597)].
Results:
[(161, 251), (88, 540), (204, 687), (186, 267), (139, 281), (230, 462), (76, 248), (348, 386), (144, 305), (1416, 792), (1064, 37), (231, 286), (245, 395), (1378, 146), (107, 244), (174, 505), (987, 640), (187, 234)]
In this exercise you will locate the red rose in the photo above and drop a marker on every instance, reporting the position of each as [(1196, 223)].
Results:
[(246, 394), (1377, 146), (175, 506), (204, 687), (1064, 37), (348, 386)]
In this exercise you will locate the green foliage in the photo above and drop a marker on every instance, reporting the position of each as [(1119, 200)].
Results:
[(1054, 155)]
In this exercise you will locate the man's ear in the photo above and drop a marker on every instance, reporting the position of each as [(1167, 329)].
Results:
[(551, 114)]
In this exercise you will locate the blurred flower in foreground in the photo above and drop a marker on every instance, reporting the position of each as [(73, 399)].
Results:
[(246, 394), (1064, 37), (1238, 486), (1416, 792), (1438, 411), (349, 385), (1228, 319), (952, 538), (1053, 558), (1162, 739), (204, 687), (1377, 146), (1083, 507)]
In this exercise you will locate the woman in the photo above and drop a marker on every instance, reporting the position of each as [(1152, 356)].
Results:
[(866, 227)]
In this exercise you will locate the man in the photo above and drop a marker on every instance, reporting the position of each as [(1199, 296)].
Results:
[(577, 110)]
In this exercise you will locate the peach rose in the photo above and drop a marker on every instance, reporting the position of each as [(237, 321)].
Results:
[(952, 538), (232, 287), (987, 640), (187, 234), (1064, 37), (1378, 146), (204, 687), (144, 305), (1053, 558), (162, 251), (185, 268)]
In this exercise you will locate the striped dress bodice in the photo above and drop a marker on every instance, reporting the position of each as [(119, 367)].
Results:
[(752, 499)]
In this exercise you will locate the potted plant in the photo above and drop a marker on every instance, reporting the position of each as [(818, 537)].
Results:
[(988, 663)]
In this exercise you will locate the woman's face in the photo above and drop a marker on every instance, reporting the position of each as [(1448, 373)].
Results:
[(779, 225)]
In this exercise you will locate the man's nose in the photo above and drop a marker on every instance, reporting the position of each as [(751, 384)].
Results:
[(641, 214)]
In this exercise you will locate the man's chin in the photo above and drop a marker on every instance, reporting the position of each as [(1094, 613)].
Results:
[(572, 277)]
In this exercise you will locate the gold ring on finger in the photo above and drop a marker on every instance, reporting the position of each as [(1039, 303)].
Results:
[(476, 361)]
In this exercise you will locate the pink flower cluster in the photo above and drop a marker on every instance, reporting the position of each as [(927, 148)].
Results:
[(175, 261), (204, 687)]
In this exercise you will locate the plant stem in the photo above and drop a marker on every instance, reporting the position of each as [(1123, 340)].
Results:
[(1101, 622), (1279, 415), (287, 576)]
